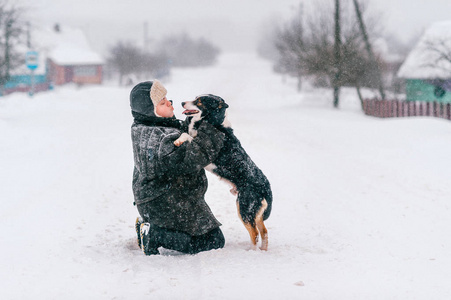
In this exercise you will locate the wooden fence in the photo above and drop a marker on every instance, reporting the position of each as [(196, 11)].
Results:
[(398, 108)]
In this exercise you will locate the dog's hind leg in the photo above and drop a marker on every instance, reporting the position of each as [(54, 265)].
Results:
[(253, 232), (263, 233), (261, 226)]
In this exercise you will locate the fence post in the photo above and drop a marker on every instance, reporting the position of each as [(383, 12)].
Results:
[(376, 108), (373, 108), (389, 102), (400, 109), (395, 108), (404, 108)]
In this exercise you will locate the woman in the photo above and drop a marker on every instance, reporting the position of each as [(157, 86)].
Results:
[(169, 182)]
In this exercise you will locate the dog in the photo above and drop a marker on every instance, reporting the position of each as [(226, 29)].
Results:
[(233, 164)]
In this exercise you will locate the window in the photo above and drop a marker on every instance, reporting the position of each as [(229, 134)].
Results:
[(439, 92), (85, 71)]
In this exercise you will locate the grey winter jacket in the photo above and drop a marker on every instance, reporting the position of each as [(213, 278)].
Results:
[(169, 182)]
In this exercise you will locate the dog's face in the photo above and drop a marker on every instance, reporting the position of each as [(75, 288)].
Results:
[(209, 107)]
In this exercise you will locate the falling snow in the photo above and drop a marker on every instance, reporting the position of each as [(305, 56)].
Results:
[(361, 205)]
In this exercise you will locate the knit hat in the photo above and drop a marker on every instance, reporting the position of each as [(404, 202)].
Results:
[(145, 96), (157, 92)]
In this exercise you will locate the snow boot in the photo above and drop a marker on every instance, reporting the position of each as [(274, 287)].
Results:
[(172, 239), (138, 223), (149, 244), (208, 241), (153, 237), (185, 243)]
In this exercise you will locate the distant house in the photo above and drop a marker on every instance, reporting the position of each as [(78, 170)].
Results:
[(71, 59), (427, 73), (64, 56)]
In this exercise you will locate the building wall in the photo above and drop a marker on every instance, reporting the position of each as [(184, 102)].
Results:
[(56, 74), (81, 74), (421, 90), (22, 83), (91, 74)]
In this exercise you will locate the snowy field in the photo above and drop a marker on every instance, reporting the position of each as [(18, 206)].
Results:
[(361, 205)]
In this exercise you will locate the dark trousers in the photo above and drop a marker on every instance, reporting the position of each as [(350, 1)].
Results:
[(183, 242)]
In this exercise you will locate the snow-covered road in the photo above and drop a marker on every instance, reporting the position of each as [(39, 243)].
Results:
[(361, 205)]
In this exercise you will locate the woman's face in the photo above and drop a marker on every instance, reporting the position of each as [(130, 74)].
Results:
[(165, 109)]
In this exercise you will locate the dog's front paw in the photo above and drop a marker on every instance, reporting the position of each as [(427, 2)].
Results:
[(183, 138), (178, 142)]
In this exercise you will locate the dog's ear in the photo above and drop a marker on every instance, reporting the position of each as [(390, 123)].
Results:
[(222, 104)]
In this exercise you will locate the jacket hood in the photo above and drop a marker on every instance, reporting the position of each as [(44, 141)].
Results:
[(140, 101)]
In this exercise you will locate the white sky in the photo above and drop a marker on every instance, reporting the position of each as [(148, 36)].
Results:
[(230, 24)]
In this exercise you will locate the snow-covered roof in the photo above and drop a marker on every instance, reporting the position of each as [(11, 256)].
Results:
[(69, 46), (423, 62)]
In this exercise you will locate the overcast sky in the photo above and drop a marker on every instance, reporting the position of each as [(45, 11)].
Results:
[(231, 24)]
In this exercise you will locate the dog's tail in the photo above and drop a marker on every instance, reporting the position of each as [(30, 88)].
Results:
[(268, 198)]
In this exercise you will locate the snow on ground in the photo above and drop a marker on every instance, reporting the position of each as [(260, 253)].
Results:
[(361, 205)]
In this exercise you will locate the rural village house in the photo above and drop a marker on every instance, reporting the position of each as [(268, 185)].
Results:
[(65, 56), (71, 59), (427, 73)]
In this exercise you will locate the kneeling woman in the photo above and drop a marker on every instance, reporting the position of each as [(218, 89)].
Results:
[(169, 182)]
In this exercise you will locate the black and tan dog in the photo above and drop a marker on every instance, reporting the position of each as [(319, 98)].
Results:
[(233, 164)]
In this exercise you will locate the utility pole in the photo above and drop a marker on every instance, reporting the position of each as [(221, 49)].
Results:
[(31, 60), (337, 55), (369, 49), (300, 42)]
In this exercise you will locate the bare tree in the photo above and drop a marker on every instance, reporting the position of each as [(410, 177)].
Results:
[(125, 58), (440, 48), (12, 30), (290, 44), (185, 51), (327, 44)]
